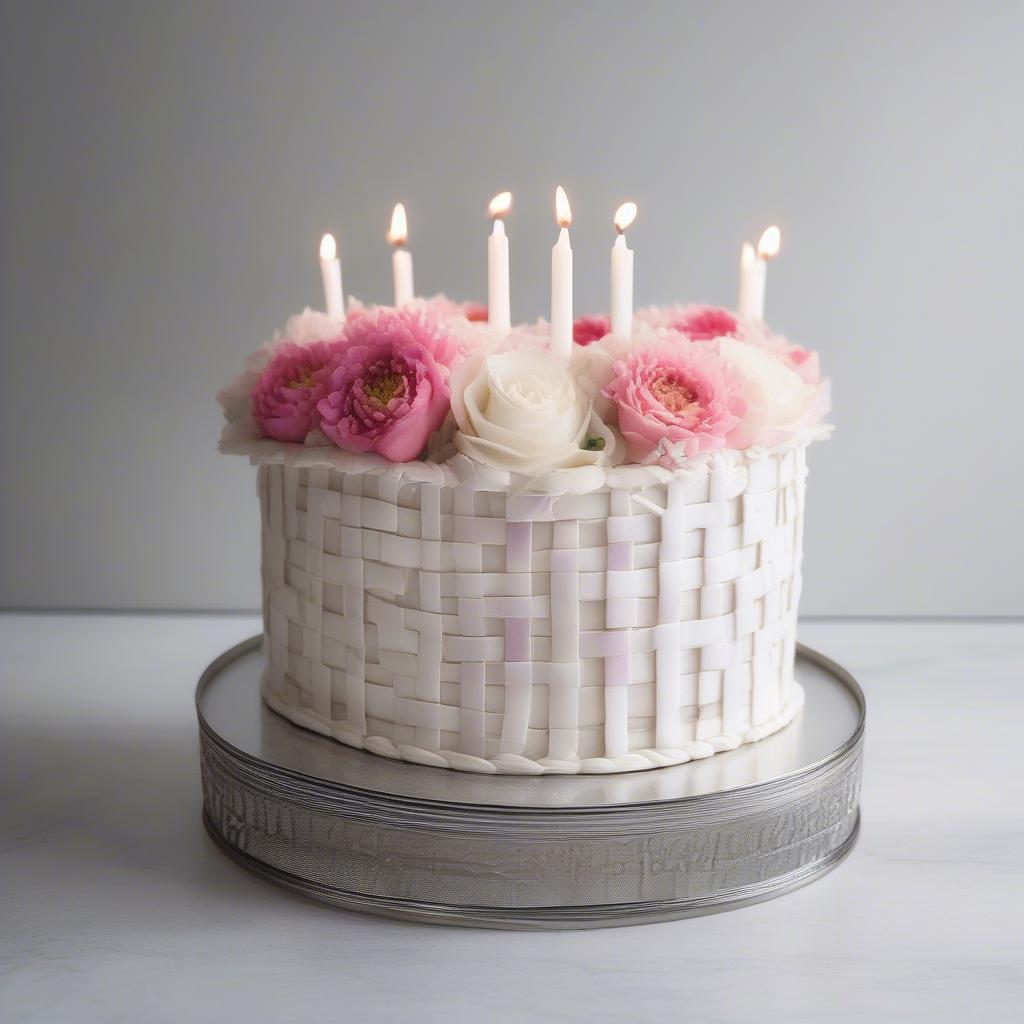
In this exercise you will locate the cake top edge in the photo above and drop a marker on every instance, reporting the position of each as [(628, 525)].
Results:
[(432, 392), (461, 471)]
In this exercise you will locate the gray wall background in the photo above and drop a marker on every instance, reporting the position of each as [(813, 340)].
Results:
[(168, 170)]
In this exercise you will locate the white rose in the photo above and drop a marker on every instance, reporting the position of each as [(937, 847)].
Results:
[(522, 411), (779, 403)]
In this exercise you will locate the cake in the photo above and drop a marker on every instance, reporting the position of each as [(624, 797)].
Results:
[(479, 556)]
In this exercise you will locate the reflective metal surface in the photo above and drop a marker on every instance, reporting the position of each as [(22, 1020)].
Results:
[(362, 831)]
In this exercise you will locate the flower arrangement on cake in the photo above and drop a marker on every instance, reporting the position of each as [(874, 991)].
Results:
[(429, 380)]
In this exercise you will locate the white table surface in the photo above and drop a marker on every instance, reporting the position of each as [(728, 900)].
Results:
[(115, 906)]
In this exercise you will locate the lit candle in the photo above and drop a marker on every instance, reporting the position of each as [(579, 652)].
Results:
[(401, 259), (499, 313), (622, 273), (754, 272), (561, 280), (330, 269)]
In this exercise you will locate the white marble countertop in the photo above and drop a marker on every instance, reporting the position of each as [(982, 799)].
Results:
[(115, 906)]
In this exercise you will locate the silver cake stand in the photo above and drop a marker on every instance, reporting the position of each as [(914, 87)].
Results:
[(360, 831)]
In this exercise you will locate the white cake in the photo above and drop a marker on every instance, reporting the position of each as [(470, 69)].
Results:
[(605, 614), (622, 628)]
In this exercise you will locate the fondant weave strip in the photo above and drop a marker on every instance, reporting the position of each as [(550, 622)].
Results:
[(527, 632)]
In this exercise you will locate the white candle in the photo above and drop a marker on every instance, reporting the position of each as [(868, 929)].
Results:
[(622, 273), (330, 270), (754, 272), (499, 311), (751, 282), (401, 259), (561, 280)]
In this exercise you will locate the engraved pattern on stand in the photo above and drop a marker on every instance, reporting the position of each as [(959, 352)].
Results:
[(686, 861)]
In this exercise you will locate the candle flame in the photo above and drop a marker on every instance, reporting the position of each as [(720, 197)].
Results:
[(624, 216), (499, 205), (328, 247), (747, 255), (770, 242), (563, 211), (398, 233)]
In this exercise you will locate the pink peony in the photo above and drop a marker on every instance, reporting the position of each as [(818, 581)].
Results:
[(387, 387), (698, 323), (806, 363), (284, 399), (589, 329), (677, 394), (474, 312), (702, 323)]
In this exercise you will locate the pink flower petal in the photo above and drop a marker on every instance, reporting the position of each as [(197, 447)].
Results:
[(387, 389)]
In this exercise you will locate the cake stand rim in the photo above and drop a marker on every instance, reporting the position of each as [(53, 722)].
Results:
[(250, 644)]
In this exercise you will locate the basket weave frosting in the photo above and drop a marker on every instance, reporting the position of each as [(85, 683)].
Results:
[(464, 625)]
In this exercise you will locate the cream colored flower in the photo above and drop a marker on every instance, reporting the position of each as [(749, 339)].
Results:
[(521, 411), (779, 403)]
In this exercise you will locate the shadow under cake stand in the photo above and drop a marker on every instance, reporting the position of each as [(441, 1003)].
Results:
[(360, 831)]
